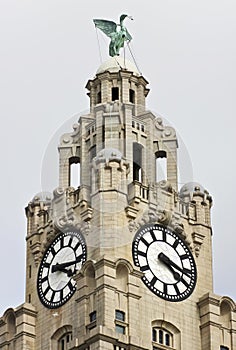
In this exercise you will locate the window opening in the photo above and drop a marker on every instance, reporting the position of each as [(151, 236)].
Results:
[(137, 162), (120, 318), (99, 97), (115, 93), (64, 341), (154, 335), (93, 316), (222, 347), (120, 315), (161, 166), (92, 152), (160, 336), (167, 339), (74, 177), (131, 96), (120, 329)]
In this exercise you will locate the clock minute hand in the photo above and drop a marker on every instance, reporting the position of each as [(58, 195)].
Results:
[(167, 261), (60, 267)]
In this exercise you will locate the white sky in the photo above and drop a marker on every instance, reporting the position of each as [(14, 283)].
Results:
[(48, 51)]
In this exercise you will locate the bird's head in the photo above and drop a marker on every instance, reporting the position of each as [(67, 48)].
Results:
[(122, 17)]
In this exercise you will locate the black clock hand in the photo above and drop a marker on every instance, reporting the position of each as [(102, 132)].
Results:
[(167, 262), (68, 272), (60, 267)]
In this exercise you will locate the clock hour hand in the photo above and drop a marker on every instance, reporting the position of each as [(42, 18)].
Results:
[(68, 272), (168, 262), (61, 267)]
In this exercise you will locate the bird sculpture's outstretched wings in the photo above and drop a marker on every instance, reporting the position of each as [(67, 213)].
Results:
[(107, 27), (116, 32)]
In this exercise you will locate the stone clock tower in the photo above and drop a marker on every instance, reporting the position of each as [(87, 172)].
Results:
[(124, 260)]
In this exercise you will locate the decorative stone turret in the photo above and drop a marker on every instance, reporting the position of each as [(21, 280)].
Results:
[(116, 151), (118, 80)]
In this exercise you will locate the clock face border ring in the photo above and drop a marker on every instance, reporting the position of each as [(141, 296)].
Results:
[(64, 256), (168, 265)]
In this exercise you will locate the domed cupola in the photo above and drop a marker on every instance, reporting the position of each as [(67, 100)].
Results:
[(118, 79)]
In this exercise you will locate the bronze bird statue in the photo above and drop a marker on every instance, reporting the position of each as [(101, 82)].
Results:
[(116, 32)]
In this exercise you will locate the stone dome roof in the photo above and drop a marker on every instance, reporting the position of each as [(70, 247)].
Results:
[(115, 64), (191, 187)]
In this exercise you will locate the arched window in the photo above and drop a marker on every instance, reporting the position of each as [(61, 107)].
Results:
[(165, 335), (62, 339), (137, 162), (11, 325), (225, 313), (161, 166), (162, 336), (64, 343), (74, 176), (90, 277), (121, 277)]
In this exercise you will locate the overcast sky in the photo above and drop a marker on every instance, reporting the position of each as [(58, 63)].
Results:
[(48, 51)]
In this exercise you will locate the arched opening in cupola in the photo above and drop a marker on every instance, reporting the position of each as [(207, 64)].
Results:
[(74, 172), (161, 165), (137, 161)]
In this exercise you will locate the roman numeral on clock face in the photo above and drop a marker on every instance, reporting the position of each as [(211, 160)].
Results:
[(70, 241), (153, 235), (141, 253), (144, 268), (176, 289), (164, 236), (153, 281), (144, 241), (175, 244), (62, 243)]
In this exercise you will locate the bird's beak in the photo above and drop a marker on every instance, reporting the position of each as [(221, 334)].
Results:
[(130, 17)]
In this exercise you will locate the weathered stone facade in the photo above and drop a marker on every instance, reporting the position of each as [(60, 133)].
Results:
[(116, 148)]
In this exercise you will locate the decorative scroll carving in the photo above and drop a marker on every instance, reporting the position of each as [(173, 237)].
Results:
[(159, 124), (71, 138), (164, 217), (63, 212), (166, 131)]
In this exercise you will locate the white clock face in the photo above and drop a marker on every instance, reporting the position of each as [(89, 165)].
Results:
[(61, 261), (167, 263)]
